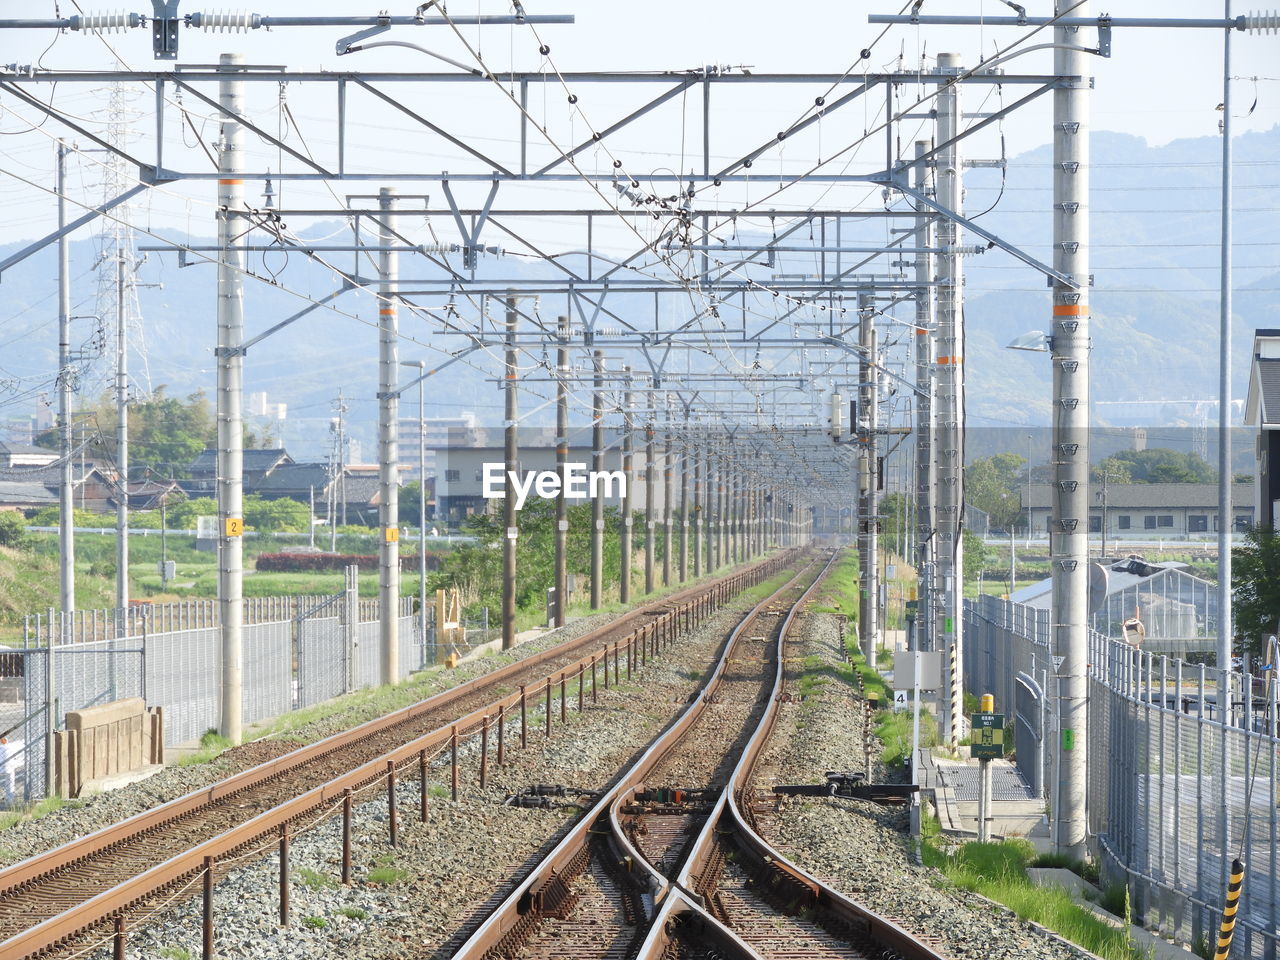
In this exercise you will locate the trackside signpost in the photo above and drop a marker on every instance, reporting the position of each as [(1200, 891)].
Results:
[(986, 743)]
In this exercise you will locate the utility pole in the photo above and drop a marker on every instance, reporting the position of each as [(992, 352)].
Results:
[(230, 356), (597, 464), (648, 494), (666, 496), (924, 432), (868, 543), (340, 492), (562, 458), (1068, 543), (122, 446), (388, 443), (628, 498), (511, 529), (949, 449), (66, 484)]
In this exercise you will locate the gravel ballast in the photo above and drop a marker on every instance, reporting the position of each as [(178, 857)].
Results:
[(409, 901), (862, 849)]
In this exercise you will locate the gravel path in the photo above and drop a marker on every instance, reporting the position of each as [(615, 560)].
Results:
[(861, 848), (409, 901)]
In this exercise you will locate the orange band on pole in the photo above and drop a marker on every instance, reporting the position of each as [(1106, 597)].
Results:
[(954, 361), (921, 332), (1070, 310), (230, 183), (387, 311)]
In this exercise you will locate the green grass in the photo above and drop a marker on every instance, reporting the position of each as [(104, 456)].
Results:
[(314, 922), (37, 810), (212, 745), (998, 871), (353, 913), (839, 593), (175, 953), (314, 879), (385, 875)]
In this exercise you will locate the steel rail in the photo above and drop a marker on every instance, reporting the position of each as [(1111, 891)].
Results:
[(726, 818), (59, 928), (519, 909)]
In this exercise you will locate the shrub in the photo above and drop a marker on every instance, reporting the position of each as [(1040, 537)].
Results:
[(13, 529)]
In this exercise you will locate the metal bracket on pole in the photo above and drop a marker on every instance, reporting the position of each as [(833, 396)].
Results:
[(344, 45), (164, 29)]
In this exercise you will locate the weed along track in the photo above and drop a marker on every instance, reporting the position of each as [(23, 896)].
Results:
[(117, 873), (646, 874)]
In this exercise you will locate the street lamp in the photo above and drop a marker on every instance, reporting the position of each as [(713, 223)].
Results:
[(421, 366)]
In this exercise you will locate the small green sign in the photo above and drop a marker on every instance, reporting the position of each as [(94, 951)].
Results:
[(949, 630), (986, 741), (1068, 739)]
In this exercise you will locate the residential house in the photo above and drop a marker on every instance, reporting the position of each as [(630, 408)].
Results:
[(1262, 411)]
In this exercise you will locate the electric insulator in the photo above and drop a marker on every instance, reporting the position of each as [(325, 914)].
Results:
[(1262, 23), (105, 22), (225, 21), (837, 416)]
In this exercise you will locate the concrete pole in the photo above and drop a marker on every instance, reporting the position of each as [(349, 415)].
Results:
[(562, 459), (949, 447), (698, 458), (1225, 512), (1068, 546), (684, 504), (388, 445), (511, 451), (66, 483), (667, 479), (122, 447), (628, 499), (230, 386), (868, 566), (597, 464), (422, 513), (648, 496), (924, 427)]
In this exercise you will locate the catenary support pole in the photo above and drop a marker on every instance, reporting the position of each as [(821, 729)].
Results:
[(666, 495), (1225, 512), (422, 519), (869, 567), (230, 358), (1068, 548), (924, 427), (697, 511), (512, 461), (562, 460), (597, 465), (66, 484), (388, 445), (122, 442), (684, 504), (628, 496), (949, 420), (648, 495)]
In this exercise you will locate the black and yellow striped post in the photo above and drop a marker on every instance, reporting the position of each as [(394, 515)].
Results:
[(1227, 928)]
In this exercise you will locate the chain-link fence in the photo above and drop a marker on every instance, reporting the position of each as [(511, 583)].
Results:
[(298, 651), (1183, 771)]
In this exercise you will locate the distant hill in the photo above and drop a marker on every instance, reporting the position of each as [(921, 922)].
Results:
[(1155, 326)]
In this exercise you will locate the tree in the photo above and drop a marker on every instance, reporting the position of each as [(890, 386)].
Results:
[(1255, 583), (992, 485), (893, 508), (1157, 465), (276, 516), (13, 529), (182, 516)]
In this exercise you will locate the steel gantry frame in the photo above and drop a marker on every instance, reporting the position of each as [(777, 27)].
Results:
[(716, 282)]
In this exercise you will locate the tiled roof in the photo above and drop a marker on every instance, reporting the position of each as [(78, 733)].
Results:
[(1139, 496)]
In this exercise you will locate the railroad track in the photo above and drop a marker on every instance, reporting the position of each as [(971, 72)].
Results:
[(47, 900), (663, 866)]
